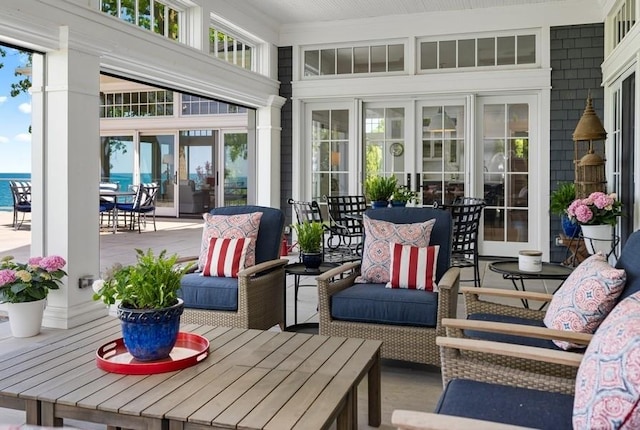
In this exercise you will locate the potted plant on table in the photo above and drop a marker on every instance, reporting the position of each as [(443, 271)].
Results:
[(561, 198), (149, 309), (597, 214), (310, 235), (25, 287), (403, 195), (379, 189)]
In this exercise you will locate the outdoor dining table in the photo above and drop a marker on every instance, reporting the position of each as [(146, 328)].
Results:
[(118, 197)]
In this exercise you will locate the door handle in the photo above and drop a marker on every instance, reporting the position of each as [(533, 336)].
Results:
[(175, 178), (417, 190), (409, 181)]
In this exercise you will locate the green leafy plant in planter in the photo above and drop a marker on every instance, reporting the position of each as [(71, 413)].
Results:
[(560, 200), (310, 235), (403, 195), (149, 309), (379, 189)]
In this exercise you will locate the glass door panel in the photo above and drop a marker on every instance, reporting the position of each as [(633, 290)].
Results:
[(329, 153), (197, 172), (384, 136), (235, 168), (156, 163), (116, 160), (441, 169), (505, 149)]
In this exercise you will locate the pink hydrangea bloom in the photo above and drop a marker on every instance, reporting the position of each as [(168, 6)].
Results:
[(583, 214), (34, 261), (602, 200), (52, 263), (7, 276)]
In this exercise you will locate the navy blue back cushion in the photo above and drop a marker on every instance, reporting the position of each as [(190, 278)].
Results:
[(440, 235), (630, 261), (509, 338), (268, 243)]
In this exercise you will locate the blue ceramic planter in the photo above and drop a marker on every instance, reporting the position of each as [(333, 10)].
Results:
[(379, 204), (312, 260), (569, 228), (150, 334), (398, 204)]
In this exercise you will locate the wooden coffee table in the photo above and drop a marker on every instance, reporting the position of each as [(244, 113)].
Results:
[(252, 379)]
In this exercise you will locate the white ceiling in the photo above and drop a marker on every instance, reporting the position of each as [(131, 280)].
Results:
[(301, 11)]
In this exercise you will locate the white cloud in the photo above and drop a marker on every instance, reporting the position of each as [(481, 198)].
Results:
[(23, 137), (3, 99), (4, 139), (25, 107)]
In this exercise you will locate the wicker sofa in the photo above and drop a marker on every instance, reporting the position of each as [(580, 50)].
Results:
[(400, 339)]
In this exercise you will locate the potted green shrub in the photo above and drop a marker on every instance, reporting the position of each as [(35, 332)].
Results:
[(379, 189), (403, 195), (560, 200), (149, 309), (310, 235)]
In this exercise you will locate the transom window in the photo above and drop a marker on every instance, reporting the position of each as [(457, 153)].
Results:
[(136, 104), (230, 48), (382, 58), (194, 105), (478, 52), (153, 15), (623, 19)]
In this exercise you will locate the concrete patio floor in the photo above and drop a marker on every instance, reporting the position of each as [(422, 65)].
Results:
[(404, 385)]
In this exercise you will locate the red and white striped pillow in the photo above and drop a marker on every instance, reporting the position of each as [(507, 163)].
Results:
[(413, 267), (225, 257)]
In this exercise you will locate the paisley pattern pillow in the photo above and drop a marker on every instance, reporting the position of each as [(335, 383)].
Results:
[(585, 298), (230, 227), (607, 394), (378, 235)]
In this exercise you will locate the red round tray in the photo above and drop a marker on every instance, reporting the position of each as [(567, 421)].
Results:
[(190, 349)]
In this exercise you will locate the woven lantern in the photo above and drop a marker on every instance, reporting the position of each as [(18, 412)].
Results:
[(589, 165)]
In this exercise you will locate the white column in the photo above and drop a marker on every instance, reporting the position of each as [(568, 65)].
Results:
[(268, 153), (66, 177)]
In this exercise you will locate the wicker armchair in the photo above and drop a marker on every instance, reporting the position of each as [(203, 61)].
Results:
[(400, 342), (605, 393), (517, 325), (259, 288), (496, 394)]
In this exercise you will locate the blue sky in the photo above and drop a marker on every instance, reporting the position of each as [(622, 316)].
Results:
[(15, 118)]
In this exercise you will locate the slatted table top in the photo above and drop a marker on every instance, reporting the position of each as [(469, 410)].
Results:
[(252, 379)]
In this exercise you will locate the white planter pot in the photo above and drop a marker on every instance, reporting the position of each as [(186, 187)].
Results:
[(598, 238), (25, 319)]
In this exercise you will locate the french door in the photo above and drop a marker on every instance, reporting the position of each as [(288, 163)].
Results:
[(155, 164), (507, 172)]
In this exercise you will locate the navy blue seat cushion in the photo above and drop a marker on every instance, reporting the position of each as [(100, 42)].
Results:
[(373, 303), (209, 292), (23, 207), (508, 405), (509, 338)]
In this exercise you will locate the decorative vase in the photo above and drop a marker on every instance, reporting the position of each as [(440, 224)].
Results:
[(379, 204), (312, 260), (570, 229), (598, 238), (25, 319), (150, 334)]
